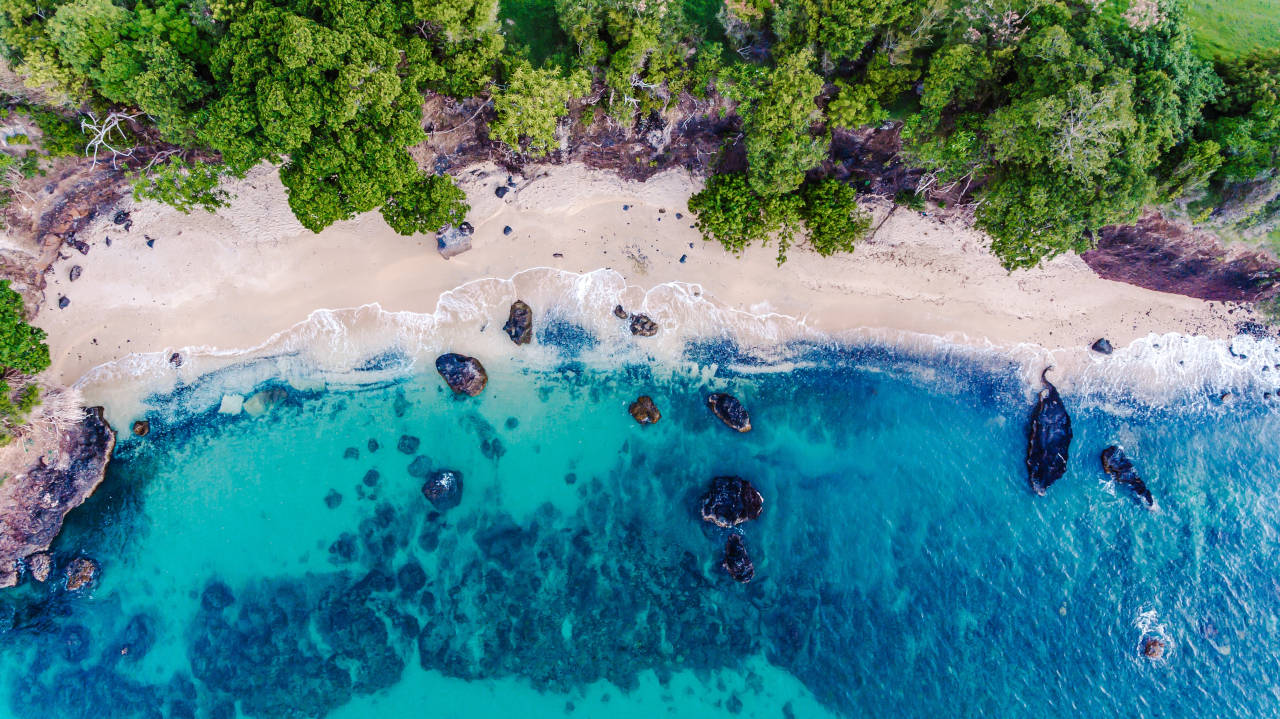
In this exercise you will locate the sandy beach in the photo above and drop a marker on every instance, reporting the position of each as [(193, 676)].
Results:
[(232, 279)]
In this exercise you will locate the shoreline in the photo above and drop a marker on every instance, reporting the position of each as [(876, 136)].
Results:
[(250, 273)]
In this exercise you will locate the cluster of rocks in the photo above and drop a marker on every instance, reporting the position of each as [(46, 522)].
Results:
[(641, 325), (729, 502)]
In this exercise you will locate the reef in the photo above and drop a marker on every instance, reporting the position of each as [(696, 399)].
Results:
[(35, 499), (1048, 438)]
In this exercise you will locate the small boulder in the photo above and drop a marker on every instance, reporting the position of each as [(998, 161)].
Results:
[(141, 427), (730, 411), (420, 466), (1102, 346), (731, 501), (507, 230), (642, 326), (80, 573), (644, 411), (78, 246), (619, 312), (502, 191), (1153, 648), (519, 326), (464, 375), (736, 561), (40, 565), (63, 302), (372, 445), (444, 489), (408, 444), (332, 500), (466, 228), (371, 478), (75, 272), (121, 217)]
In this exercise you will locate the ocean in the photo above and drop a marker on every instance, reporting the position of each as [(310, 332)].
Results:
[(267, 551)]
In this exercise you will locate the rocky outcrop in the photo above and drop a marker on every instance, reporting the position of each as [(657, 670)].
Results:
[(519, 326), (644, 411), (731, 501), (736, 560), (34, 499), (642, 326), (1048, 438), (40, 566), (1118, 465), (730, 411), (443, 489), (464, 375), (81, 573), (1152, 648)]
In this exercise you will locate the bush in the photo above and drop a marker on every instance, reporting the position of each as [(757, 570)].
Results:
[(22, 346), (832, 217)]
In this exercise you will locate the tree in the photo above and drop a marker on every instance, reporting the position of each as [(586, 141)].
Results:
[(530, 107), (833, 220), (22, 347), (731, 212), (425, 205), (778, 112)]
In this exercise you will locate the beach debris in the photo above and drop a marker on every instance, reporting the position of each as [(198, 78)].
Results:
[(351, 453), (78, 245), (1102, 346), (1048, 438), (519, 326), (40, 565), (463, 374), (502, 191), (420, 466), (619, 312), (175, 359), (332, 500), (644, 411), (736, 561), (370, 478), (141, 427), (373, 445), (1118, 465), (1153, 648), (80, 573), (730, 411), (642, 326), (730, 502), (75, 273), (452, 242), (63, 302), (216, 596), (443, 489), (506, 230), (408, 444), (122, 218)]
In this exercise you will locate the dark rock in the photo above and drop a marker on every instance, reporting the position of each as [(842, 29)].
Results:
[(511, 423), (40, 565), (464, 375), (519, 326), (502, 191), (731, 501), (466, 228), (420, 467), (373, 445), (626, 207), (730, 411), (121, 217), (619, 312), (1152, 648), (216, 596), (175, 359), (1118, 465), (571, 478), (408, 444), (63, 302), (151, 241), (333, 499), (141, 427), (78, 246), (1102, 346), (80, 573), (642, 326), (75, 272), (444, 489), (679, 216), (644, 411), (1048, 438), (351, 453), (736, 562), (370, 478), (682, 260), (507, 230)]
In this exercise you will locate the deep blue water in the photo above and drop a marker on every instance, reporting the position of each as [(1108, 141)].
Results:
[(903, 567)]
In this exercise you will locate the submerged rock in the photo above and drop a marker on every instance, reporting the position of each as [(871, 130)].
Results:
[(1102, 346), (40, 565), (1118, 465), (736, 561), (420, 466), (519, 326), (731, 501), (216, 596), (80, 573), (141, 427), (730, 411), (351, 453), (444, 489), (333, 499), (373, 445), (644, 411), (1048, 438), (642, 326), (408, 443), (464, 375)]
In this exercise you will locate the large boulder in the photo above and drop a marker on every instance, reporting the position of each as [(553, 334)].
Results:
[(464, 375), (80, 573), (519, 326), (444, 489), (730, 411), (731, 501), (736, 560), (1048, 438), (1118, 465), (644, 411), (40, 565), (642, 326)]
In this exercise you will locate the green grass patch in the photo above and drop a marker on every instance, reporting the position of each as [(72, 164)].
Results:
[(533, 32), (1227, 29)]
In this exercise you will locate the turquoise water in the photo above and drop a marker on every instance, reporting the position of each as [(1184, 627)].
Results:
[(903, 567)]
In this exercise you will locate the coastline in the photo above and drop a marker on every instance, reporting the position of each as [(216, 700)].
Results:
[(235, 279)]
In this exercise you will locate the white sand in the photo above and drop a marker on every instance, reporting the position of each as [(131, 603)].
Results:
[(233, 279)]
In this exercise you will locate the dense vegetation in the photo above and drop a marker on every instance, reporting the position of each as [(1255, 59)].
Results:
[(22, 352), (1050, 118)]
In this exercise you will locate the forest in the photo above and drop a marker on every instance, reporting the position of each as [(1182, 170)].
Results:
[(1047, 119)]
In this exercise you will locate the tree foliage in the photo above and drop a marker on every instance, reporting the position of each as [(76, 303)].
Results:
[(22, 347), (530, 107)]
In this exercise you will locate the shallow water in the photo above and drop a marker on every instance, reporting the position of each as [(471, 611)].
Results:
[(903, 568)]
